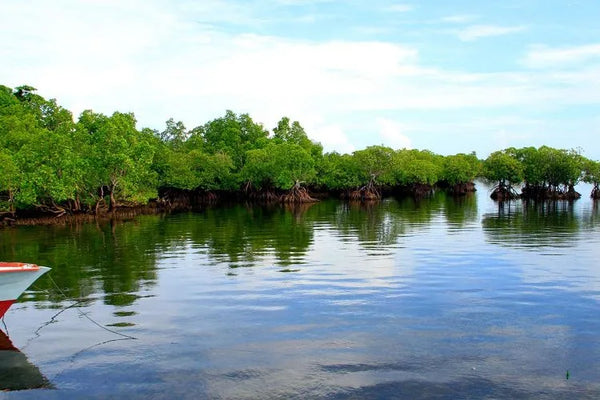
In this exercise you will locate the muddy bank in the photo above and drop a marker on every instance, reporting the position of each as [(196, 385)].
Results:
[(40, 218), (171, 200)]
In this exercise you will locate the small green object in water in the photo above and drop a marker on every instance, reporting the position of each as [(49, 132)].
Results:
[(568, 374)]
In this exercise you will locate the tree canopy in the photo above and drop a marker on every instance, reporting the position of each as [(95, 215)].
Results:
[(53, 162)]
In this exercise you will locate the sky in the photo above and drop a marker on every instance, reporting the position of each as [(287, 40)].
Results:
[(447, 76)]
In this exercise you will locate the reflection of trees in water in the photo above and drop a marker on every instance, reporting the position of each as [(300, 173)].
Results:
[(532, 224), (371, 223), (591, 218), (240, 235), (459, 210), (119, 256), (118, 260), (382, 223)]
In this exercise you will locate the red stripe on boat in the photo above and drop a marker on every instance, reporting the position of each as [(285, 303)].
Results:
[(4, 306), (17, 267)]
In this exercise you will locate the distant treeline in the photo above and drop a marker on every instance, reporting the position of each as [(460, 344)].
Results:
[(51, 163)]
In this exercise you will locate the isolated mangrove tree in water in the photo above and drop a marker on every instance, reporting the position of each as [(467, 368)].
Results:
[(549, 173), (54, 164), (506, 171), (592, 175), (459, 172)]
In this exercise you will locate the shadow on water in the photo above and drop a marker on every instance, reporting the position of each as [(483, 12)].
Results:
[(16, 371)]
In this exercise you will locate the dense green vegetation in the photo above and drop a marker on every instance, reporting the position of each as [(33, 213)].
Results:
[(546, 173), (52, 163)]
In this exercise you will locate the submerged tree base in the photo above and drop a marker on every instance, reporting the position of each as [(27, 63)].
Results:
[(461, 189), (417, 190), (297, 194), (369, 192), (7, 218), (263, 196), (364, 194), (421, 189), (504, 193), (546, 193), (595, 193), (179, 199)]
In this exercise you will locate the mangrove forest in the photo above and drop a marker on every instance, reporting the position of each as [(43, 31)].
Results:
[(52, 164)]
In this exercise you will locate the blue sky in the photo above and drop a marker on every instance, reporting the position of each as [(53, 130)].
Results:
[(451, 77)]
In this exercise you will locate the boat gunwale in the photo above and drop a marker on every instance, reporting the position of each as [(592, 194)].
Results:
[(8, 267)]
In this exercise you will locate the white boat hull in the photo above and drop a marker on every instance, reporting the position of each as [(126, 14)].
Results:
[(15, 282)]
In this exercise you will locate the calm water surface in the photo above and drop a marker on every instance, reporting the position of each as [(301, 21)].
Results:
[(440, 298)]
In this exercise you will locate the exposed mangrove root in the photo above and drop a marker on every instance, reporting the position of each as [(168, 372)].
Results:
[(421, 190), (124, 214), (595, 192), (177, 199), (368, 192), (266, 196), (53, 209), (461, 189), (297, 194), (7, 218), (503, 192), (539, 192), (259, 195)]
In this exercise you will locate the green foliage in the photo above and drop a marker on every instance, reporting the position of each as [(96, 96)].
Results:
[(591, 171), (293, 133), (417, 167), (10, 179), (279, 165), (175, 133), (233, 135), (563, 167), (47, 160), (375, 164), (460, 168), (503, 168), (339, 172), (548, 170), (534, 165), (119, 157)]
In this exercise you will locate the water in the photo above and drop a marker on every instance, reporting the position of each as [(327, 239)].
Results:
[(440, 298)]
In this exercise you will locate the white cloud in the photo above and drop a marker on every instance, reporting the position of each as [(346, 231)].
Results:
[(542, 56), (400, 8), (159, 62), (391, 134), (475, 32), (459, 19), (332, 137)]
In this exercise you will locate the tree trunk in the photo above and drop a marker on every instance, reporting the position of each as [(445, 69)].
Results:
[(100, 199), (113, 202), (11, 202)]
